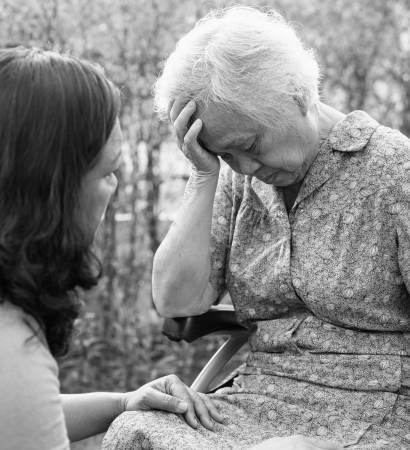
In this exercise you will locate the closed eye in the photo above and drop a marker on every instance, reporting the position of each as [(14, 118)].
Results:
[(254, 148)]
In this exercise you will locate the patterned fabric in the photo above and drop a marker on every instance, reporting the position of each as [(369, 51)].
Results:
[(326, 290)]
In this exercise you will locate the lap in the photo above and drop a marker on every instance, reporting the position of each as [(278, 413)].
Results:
[(251, 417)]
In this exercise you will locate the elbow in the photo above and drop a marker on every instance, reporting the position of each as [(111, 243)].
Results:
[(161, 287), (172, 311), (171, 303), (172, 295), (163, 305)]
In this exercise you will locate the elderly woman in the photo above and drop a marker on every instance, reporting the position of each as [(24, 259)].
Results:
[(307, 227)]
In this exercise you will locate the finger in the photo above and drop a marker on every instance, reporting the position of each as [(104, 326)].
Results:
[(212, 408), (201, 410), (191, 137), (191, 148), (190, 415), (181, 123), (176, 108), (177, 388), (158, 400)]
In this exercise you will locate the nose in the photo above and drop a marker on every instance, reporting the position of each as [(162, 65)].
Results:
[(247, 165)]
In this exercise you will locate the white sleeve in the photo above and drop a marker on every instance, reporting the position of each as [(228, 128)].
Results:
[(31, 414)]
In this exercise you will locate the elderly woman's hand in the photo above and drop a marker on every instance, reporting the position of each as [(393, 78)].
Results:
[(171, 394), (181, 115), (296, 442)]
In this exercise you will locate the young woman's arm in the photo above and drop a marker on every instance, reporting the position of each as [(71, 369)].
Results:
[(90, 414), (33, 413)]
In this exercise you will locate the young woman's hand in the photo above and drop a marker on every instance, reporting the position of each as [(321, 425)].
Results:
[(171, 394), (296, 442), (181, 114)]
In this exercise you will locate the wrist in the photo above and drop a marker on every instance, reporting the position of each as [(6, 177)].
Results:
[(204, 175), (200, 184), (121, 402), (203, 180)]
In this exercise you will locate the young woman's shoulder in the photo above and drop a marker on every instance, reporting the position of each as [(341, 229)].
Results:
[(31, 414)]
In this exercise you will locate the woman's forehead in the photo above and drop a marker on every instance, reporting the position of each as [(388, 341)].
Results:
[(219, 115), (224, 126)]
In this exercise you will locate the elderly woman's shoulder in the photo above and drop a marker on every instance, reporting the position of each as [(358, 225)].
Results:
[(390, 142), (390, 149)]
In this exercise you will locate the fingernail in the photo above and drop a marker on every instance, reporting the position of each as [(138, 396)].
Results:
[(210, 425)]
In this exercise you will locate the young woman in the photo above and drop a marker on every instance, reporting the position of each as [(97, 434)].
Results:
[(60, 144)]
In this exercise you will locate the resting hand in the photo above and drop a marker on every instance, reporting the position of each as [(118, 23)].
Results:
[(180, 114), (297, 442), (171, 394)]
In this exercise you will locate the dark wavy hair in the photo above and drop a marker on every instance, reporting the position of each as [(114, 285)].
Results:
[(56, 114)]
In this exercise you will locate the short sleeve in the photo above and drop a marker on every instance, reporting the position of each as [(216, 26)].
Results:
[(221, 230), (31, 413)]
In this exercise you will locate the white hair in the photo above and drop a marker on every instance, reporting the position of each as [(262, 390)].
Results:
[(250, 61)]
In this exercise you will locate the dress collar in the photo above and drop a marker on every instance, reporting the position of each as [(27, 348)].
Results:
[(352, 133), (349, 135)]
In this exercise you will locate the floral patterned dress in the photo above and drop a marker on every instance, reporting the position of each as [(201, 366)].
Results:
[(326, 290)]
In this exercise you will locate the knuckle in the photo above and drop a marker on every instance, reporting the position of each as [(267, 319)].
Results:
[(168, 401), (178, 130), (173, 378), (200, 405), (180, 142), (187, 139), (179, 122)]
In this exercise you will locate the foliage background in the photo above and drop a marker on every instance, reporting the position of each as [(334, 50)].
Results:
[(363, 47)]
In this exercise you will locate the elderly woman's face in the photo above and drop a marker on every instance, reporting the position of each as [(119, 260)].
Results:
[(275, 156)]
